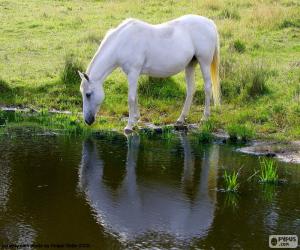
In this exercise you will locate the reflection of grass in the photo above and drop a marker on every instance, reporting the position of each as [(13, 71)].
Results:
[(231, 200), (167, 133), (268, 192), (268, 171), (231, 181)]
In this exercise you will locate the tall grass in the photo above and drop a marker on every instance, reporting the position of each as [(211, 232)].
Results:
[(4, 87), (237, 131), (204, 134), (69, 74), (231, 181), (268, 171)]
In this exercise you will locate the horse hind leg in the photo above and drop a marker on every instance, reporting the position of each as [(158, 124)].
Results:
[(205, 69), (190, 91)]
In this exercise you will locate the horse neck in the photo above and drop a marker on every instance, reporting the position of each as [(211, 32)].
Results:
[(102, 64)]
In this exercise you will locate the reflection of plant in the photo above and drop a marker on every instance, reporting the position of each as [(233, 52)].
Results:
[(268, 171), (167, 133), (231, 181), (231, 200), (268, 192)]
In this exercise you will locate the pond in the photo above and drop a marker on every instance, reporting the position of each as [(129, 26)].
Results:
[(113, 192)]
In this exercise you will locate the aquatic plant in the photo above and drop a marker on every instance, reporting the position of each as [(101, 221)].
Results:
[(268, 171), (231, 200), (231, 181)]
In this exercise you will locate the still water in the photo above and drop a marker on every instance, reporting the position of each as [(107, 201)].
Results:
[(113, 192)]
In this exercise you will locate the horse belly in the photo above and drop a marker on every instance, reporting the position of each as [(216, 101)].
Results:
[(169, 58)]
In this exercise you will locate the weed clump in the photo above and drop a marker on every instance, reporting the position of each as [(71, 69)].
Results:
[(239, 46), (4, 88), (255, 81), (243, 82), (204, 135), (69, 74), (287, 23), (229, 14), (268, 171), (231, 181), (242, 132)]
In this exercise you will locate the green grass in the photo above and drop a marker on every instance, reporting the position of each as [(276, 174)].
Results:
[(239, 46), (44, 43), (242, 132), (268, 171), (69, 74), (231, 181), (204, 134)]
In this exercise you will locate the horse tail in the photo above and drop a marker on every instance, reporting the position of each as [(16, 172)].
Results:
[(214, 74)]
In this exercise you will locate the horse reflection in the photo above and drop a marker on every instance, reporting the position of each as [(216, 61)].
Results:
[(146, 207)]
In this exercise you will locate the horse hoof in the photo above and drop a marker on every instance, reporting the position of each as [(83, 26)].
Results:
[(179, 123), (128, 131)]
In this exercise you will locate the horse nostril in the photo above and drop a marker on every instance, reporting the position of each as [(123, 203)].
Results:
[(90, 120)]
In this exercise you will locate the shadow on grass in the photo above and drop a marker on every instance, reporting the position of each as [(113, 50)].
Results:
[(160, 88)]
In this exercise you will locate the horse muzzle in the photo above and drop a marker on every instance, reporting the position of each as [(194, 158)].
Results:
[(90, 120)]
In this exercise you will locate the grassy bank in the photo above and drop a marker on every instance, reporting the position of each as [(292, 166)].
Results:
[(43, 43)]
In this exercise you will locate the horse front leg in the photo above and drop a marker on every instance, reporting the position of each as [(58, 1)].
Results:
[(132, 101)]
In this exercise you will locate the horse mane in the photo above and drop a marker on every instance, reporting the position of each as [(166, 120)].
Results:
[(111, 33)]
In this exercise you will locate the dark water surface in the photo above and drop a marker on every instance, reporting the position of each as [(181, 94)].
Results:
[(113, 193)]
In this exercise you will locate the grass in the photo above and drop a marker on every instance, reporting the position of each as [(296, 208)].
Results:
[(268, 171), (259, 61), (204, 134), (242, 132), (69, 74), (231, 181), (239, 46)]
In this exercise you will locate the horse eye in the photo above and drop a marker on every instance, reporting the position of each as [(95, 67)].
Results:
[(88, 95)]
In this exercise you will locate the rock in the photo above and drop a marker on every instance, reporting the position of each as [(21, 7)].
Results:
[(193, 126), (181, 126), (220, 135), (152, 127), (287, 152)]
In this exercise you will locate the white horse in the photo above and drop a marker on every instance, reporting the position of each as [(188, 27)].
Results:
[(156, 50)]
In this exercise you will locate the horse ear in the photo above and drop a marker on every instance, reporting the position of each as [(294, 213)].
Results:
[(83, 76)]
